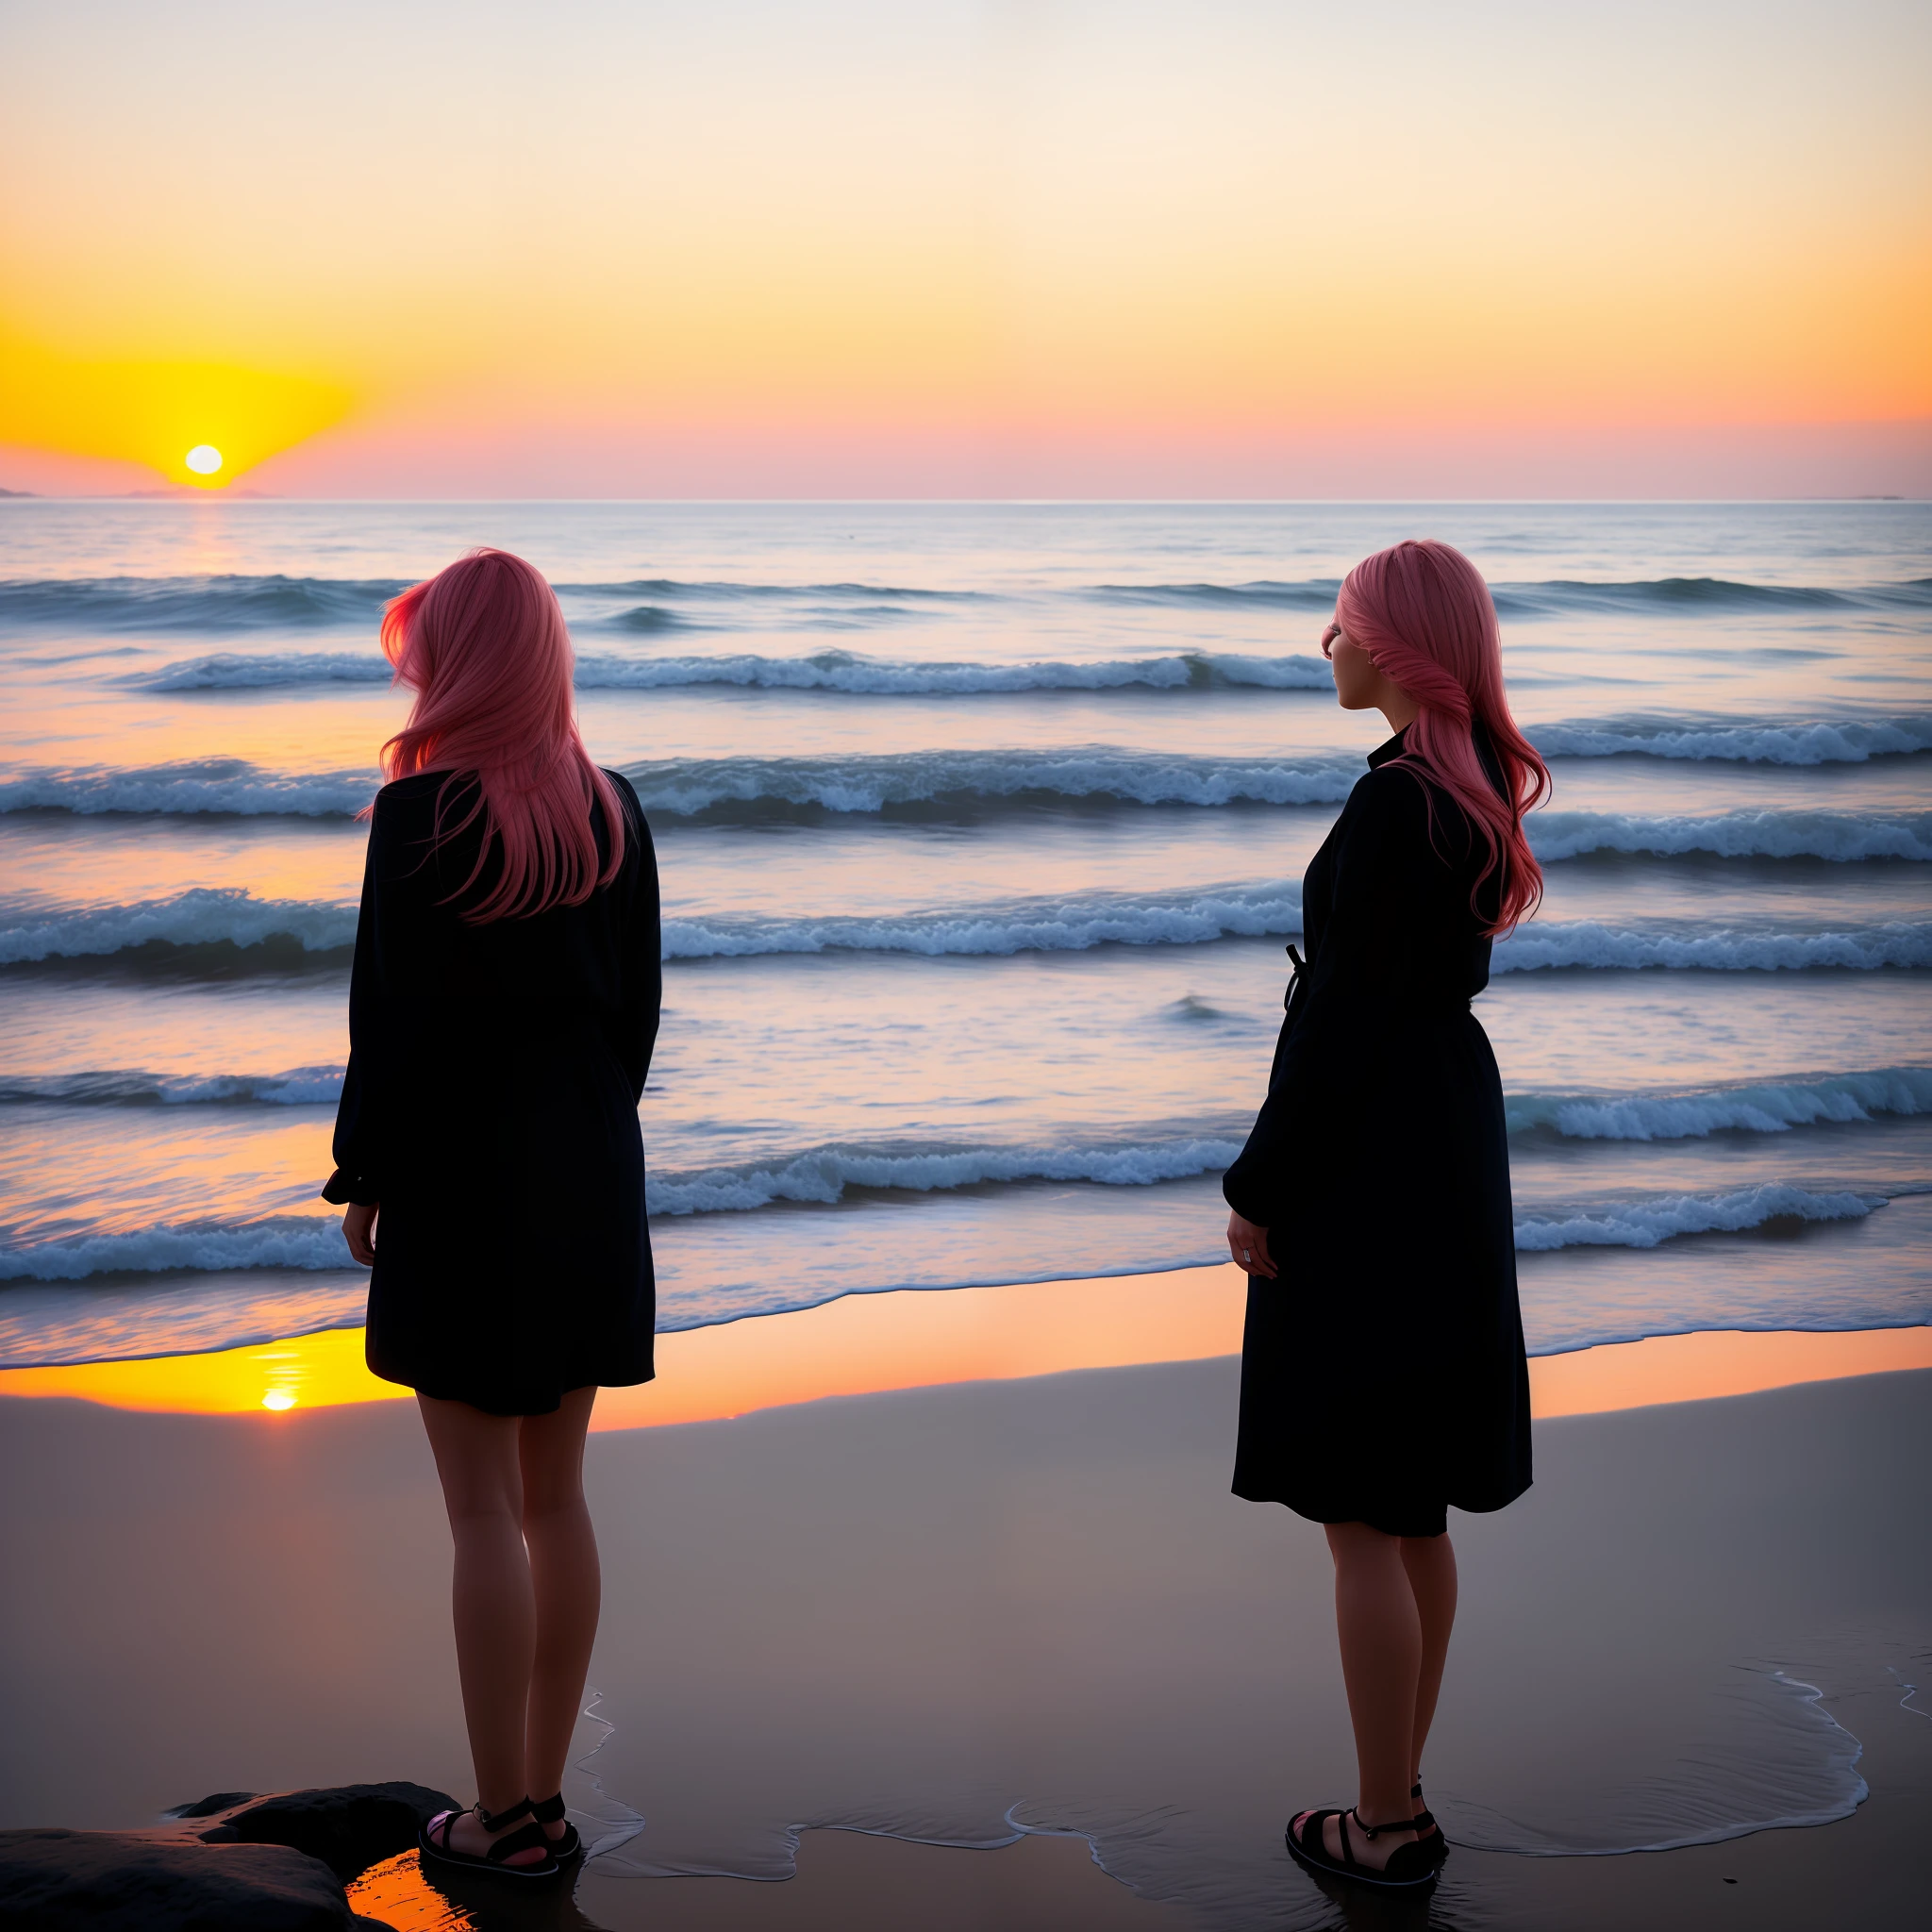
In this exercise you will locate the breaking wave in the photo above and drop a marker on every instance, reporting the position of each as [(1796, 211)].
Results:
[(204, 786), (846, 673), (825, 1173), (1833, 741), (1677, 594), (1840, 837), (1763, 1107), (288, 1241), (1648, 1224), (225, 927), (131, 1087), (1019, 926), (1539, 946), (228, 917), (823, 1176)]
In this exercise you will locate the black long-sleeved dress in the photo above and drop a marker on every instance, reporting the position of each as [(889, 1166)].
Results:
[(1383, 1373), (490, 1106)]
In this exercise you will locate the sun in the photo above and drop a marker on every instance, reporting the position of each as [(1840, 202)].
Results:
[(278, 1398), (204, 459)]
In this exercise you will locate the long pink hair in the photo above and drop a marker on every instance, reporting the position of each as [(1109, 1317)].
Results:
[(483, 647), (1425, 616)]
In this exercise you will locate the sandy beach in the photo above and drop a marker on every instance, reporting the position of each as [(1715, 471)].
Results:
[(1017, 1627)]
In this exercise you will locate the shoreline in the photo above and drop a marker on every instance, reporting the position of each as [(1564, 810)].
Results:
[(862, 1345)]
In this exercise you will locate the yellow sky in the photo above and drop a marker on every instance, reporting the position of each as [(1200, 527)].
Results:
[(956, 232)]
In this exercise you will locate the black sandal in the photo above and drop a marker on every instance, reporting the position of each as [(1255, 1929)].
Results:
[(1428, 1833), (530, 1839), (1409, 1865), (548, 1812)]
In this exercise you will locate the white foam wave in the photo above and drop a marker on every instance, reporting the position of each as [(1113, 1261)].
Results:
[(851, 673), (205, 916), (847, 672), (290, 1241), (824, 1175), (264, 671), (132, 1087), (1020, 926), (1539, 946), (1837, 741), (683, 788), (209, 785), (1767, 1107), (1648, 1224), (1840, 837)]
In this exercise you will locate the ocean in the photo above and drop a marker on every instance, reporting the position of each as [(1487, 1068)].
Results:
[(981, 830)]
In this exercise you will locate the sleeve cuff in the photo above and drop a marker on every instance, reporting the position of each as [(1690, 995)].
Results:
[(345, 1190)]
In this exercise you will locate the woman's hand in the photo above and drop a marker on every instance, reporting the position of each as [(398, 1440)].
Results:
[(1248, 1244), (359, 1230)]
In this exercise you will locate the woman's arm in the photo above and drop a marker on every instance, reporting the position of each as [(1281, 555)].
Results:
[(643, 961), (1381, 862), (359, 1113)]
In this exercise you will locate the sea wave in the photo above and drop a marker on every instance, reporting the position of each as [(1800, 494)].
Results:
[(1840, 837), (195, 603), (226, 925), (1649, 1223), (1772, 741), (265, 670), (234, 602), (1032, 925), (747, 788), (844, 673), (1688, 595), (850, 674), (1761, 1107), (221, 786), (133, 1087), (228, 917), (237, 602), (288, 1241), (1586, 944), (824, 1175)]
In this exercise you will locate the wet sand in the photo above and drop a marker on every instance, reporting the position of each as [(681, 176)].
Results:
[(959, 1612)]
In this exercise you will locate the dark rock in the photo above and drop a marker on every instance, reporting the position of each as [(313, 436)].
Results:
[(206, 1808), (112, 1881), (349, 1827)]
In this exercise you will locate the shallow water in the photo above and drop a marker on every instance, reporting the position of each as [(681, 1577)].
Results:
[(981, 830)]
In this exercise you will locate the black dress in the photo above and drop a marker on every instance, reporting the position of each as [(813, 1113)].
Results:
[(1383, 1373), (491, 1108)]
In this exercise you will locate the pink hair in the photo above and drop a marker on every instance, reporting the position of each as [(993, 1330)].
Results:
[(483, 647), (1425, 616)]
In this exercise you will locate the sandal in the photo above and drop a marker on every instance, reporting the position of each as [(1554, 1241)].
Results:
[(548, 1812), (530, 1839), (1409, 1865), (1428, 1833)]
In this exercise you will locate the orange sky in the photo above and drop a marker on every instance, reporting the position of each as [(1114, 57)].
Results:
[(750, 247)]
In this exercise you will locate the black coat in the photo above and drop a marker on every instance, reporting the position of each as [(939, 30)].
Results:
[(1383, 1373), (490, 1106)]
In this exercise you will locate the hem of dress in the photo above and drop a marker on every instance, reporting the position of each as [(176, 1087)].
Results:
[(526, 1402), (1329, 1510)]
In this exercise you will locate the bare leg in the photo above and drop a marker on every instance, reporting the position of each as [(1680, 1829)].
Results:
[(1430, 1561), (566, 1581), (490, 1600), (1380, 1629)]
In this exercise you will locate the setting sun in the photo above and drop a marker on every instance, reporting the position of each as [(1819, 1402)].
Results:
[(203, 459)]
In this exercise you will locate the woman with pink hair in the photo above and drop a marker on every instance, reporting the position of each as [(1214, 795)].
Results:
[(502, 1012), (1382, 1367)]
